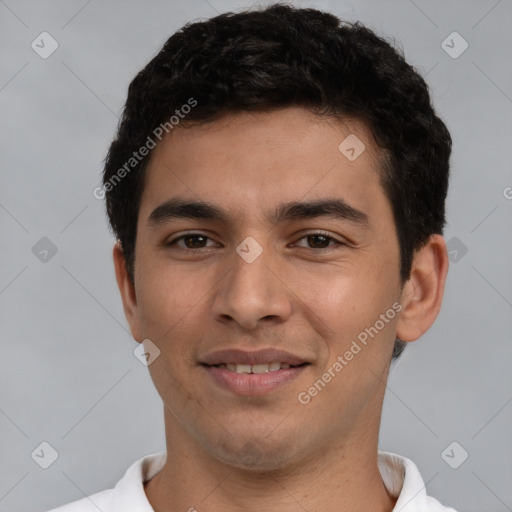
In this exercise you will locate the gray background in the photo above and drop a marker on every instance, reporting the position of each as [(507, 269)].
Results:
[(68, 375)]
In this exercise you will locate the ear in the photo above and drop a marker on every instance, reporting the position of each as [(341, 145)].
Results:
[(422, 294), (127, 290)]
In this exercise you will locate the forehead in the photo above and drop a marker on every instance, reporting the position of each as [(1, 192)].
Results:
[(249, 163)]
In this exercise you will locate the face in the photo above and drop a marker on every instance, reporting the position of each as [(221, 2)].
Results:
[(258, 278)]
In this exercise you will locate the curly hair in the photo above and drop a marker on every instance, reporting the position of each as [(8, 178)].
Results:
[(282, 56)]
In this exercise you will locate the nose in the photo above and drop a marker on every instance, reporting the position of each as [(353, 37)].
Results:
[(252, 292)]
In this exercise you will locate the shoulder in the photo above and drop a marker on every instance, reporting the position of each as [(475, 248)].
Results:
[(404, 482), (127, 495)]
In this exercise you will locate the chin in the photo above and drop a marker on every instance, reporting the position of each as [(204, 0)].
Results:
[(254, 456)]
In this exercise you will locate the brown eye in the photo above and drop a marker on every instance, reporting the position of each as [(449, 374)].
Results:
[(191, 241), (320, 241)]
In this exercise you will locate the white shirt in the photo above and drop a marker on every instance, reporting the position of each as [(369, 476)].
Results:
[(399, 474)]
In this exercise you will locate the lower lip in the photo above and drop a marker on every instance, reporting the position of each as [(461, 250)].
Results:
[(253, 384)]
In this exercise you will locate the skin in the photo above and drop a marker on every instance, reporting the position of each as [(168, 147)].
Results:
[(232, 453)]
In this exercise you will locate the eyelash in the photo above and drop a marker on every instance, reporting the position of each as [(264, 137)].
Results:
[(316, 233)]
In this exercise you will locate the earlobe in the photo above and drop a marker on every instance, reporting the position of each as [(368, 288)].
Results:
[(127, 291), (422, 294)]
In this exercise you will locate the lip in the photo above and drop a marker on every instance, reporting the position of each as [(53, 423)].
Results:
[(253, 384), (262, 356)]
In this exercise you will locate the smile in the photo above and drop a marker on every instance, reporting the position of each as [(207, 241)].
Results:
[(255, 368), (253, 380)]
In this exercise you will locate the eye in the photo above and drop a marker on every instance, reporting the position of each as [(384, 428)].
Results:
[(321, 240), (317, 240), (192, 241)]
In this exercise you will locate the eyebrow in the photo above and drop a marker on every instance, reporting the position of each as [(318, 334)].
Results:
[(337, 209)]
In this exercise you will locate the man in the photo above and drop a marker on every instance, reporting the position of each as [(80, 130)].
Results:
[(277, 189)]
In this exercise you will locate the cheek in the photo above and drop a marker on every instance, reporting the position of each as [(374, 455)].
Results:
[(167, 298), (349, 306)]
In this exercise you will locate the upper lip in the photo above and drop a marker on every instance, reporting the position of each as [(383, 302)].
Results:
[(262, 356)]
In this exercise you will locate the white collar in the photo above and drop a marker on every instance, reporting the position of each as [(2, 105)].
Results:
[(399, 474)]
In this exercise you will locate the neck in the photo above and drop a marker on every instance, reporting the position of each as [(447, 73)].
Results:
[(344, 477)]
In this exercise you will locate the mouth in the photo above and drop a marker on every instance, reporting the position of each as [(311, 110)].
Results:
[(256, 368), (253, 373), (244, 381), (243, 358)]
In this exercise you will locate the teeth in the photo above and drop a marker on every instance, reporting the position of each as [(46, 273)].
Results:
[(255, 368), (243, 368), (259, 368)]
